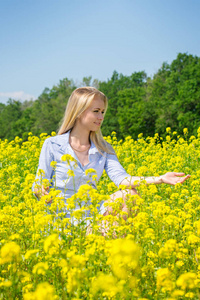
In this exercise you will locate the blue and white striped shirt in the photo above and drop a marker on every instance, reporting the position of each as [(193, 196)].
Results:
[(55, 147)]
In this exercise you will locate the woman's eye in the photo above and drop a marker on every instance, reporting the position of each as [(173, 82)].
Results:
[(98, 111)]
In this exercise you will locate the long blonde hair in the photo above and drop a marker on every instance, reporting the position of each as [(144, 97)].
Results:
[(78, 102)]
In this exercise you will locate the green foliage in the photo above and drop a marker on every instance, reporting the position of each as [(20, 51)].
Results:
[(176, 94), (10, 115), (49, 109), (134, 113), (137, 104), (112, 89)]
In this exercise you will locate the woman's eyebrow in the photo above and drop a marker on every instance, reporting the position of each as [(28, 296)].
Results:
[(99, 108)]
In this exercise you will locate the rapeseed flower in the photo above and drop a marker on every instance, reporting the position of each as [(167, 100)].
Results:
[(52, 244), (187, 281), (164, 280), (153, 253), (9, 252), (40, 268)]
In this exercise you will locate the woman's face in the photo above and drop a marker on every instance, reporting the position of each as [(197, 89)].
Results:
[(92, 118)]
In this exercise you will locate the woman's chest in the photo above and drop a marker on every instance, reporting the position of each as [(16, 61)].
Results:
[(78, 164), (83, 158)]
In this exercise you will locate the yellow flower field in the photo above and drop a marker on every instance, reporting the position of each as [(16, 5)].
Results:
[(154, 254)]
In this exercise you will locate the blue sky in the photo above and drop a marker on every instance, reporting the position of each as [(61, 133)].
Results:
[(44, 41)]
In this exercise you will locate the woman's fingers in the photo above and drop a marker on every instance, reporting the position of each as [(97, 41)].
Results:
[(179, 174), (174, 178), (184, 178), (45, 190)]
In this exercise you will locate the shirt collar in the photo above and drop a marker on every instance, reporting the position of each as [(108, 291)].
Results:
[(63, 141), (93, 149)]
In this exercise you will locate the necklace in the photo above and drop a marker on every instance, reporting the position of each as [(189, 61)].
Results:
[(79, 150)]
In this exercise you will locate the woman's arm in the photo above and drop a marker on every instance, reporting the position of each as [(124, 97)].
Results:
[(46, 157), (120, 177), (169, 178)]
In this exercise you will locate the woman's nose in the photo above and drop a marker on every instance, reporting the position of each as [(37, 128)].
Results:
[(100, 116)]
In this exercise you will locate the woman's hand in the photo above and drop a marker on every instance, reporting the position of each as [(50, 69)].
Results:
[(173, 178), (41, 192)]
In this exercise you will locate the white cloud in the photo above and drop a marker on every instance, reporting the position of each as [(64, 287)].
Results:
[(21, 95)]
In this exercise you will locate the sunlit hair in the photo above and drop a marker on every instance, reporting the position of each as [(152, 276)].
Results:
[(79, 101)]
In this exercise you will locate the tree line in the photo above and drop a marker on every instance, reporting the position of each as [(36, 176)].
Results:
[(137, 103)]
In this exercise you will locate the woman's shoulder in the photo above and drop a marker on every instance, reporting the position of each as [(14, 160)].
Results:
[(58, 139)]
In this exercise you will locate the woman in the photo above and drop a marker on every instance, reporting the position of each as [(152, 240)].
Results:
[(80, 136)]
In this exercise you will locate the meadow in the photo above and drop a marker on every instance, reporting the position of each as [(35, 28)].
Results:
[(152, 252)]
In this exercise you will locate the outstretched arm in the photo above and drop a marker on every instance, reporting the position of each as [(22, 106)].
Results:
[(169, 178)]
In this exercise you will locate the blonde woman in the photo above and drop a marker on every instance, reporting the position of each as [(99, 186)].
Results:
[(80, 136)]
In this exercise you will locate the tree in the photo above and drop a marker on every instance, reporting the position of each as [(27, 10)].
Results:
[(111, 89), (87, 81), (137, 104), (48, 110), (176, 94), (9, 114), (135, 115)]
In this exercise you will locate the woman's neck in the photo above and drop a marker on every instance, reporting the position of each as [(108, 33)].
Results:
[(79, 137)]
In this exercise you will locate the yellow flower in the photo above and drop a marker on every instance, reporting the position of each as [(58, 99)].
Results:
[(6, 283), (45, 182), (186, 281), (53, 164), (78, 213), (79, 260), (15, 236), (168, 129), (150, 234), (68, 158), (9, 252), (107, 284), (193, 239), (164, 279), (170, 248), (111, 187), (166, 225), (44, 291), (94, 177), (177, 293), (40, 173), (52, 244), (44, 134), (30, 253), (124, 256), (190, 295), (90, 171), (70, 173), (185, 131), (40, 268), (27, 288), (179, 263)]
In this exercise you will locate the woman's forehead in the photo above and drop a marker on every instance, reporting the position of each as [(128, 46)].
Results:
[(97, 102)]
